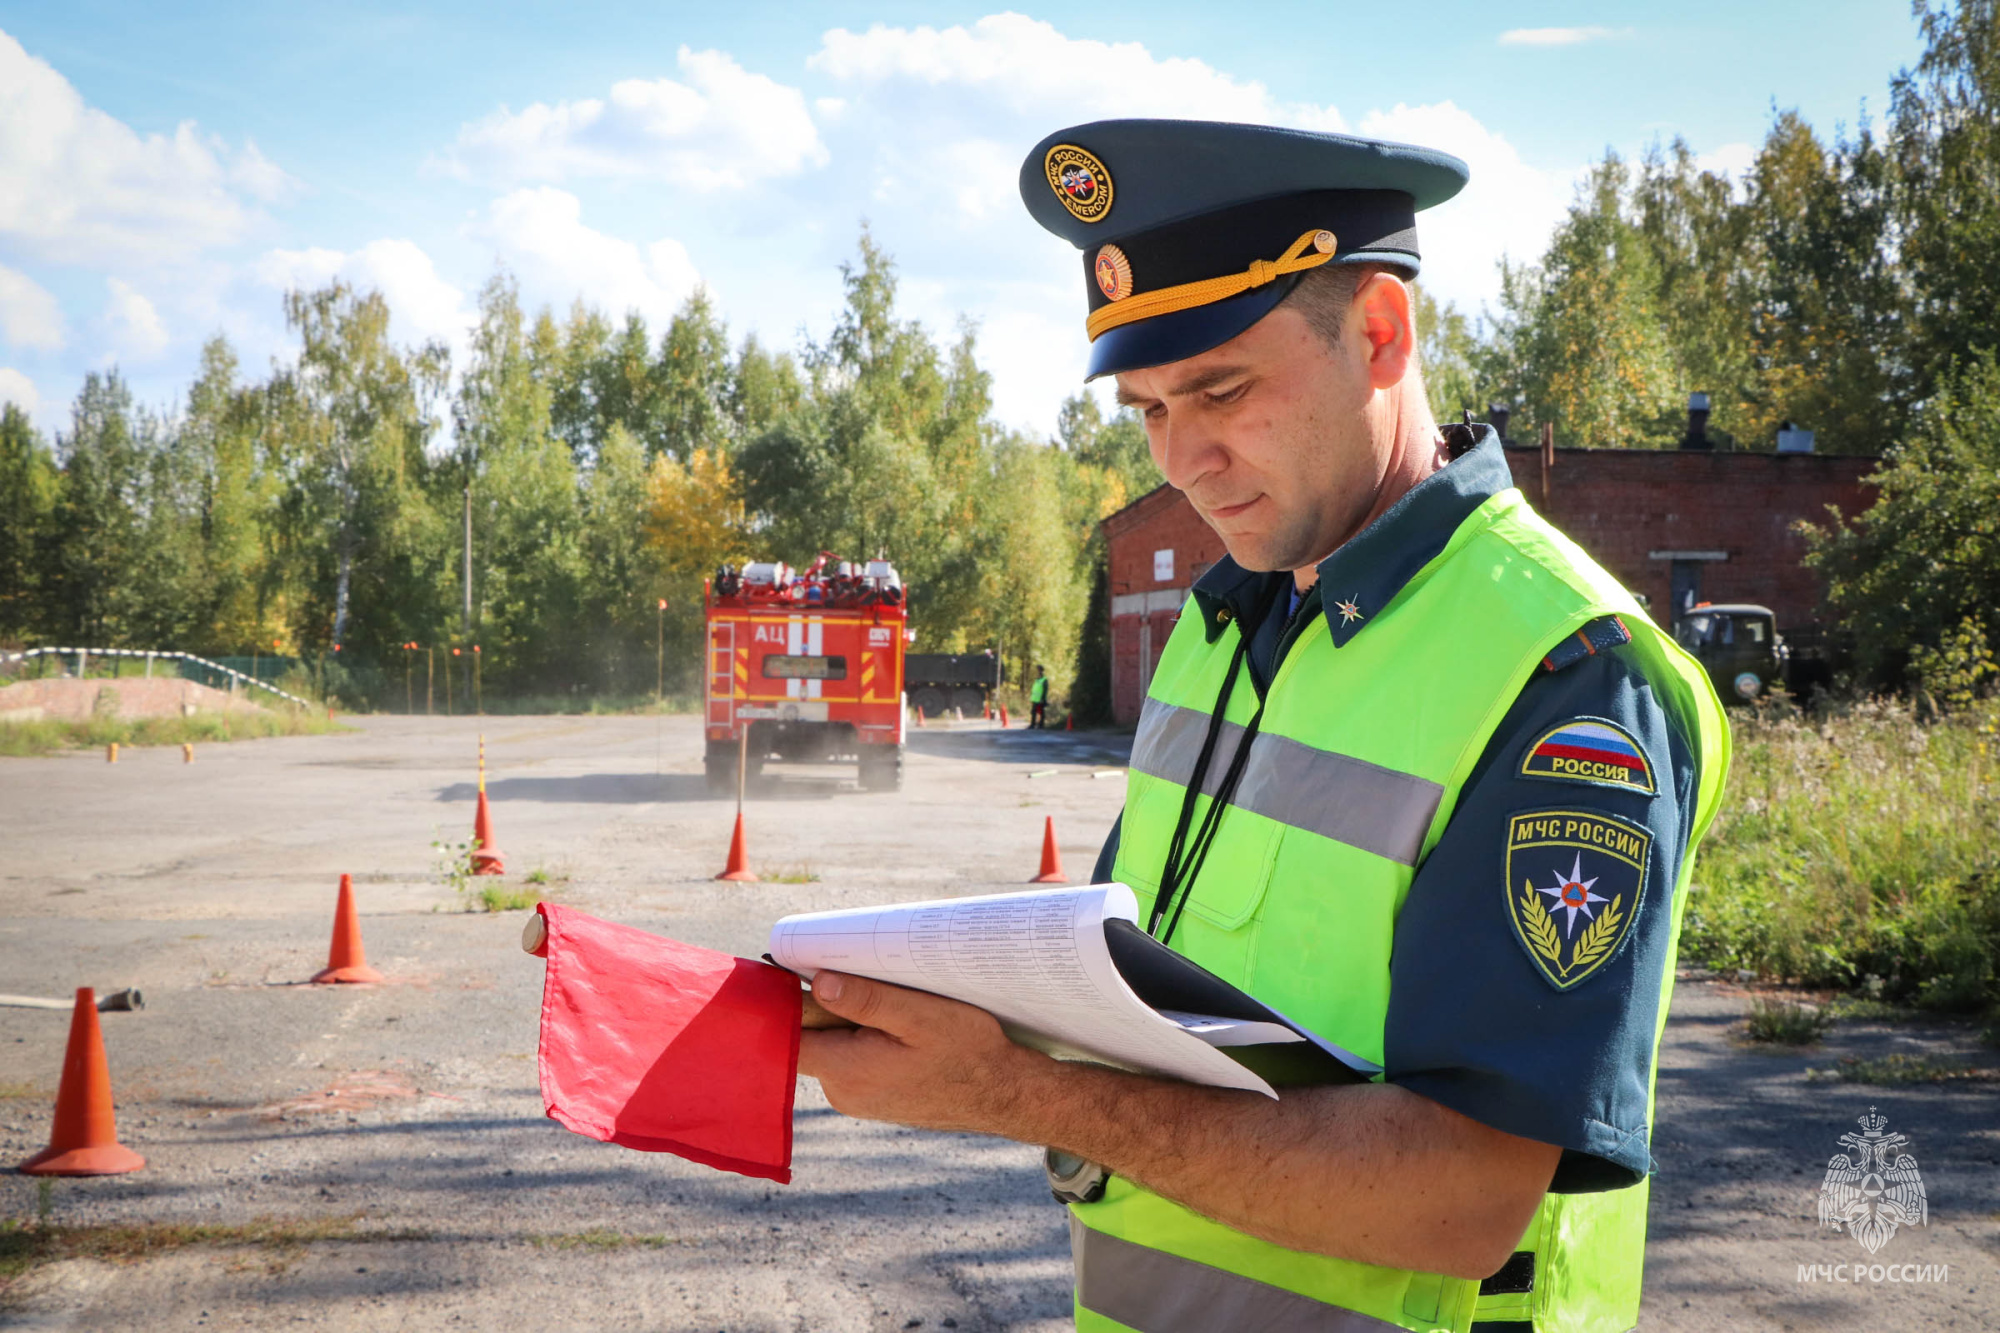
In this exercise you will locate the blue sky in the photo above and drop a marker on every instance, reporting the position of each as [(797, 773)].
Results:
[(167, 171)]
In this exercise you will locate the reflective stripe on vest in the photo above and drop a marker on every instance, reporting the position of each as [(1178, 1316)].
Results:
[(1337, 796), (1155, 1292)]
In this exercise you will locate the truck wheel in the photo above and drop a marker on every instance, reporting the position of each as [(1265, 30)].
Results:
[(718, 765), (930, 701), (1748, 685), (882, 768)]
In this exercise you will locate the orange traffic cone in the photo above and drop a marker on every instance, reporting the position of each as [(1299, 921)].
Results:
[(738, 868), (486, 857), (1003, 717), (84, 1141), (920, 717), (1069, 722), (1052, 871), (345, 958)]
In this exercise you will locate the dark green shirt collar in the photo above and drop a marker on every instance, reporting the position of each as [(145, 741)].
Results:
[(1367, 572)]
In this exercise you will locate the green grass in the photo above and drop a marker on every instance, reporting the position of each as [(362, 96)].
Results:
[(1862, 1009), (26, 1245), (598, 1239), (1787, 1022), (500, 898), (1856, 852), (19, 740), (803, 873), (1904, 1070)]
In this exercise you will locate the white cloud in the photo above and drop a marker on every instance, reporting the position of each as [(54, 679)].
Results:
[(1732, 159), (934, 123), (29, 316), (1027, 65), (133, 331), (422, 305), (1552, 36), (1508, 207), (539, 234), (723, 128), (79, 186), (941, 116), (19, 390)]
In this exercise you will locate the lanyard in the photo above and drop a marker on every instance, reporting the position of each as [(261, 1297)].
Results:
[(1184, 861)]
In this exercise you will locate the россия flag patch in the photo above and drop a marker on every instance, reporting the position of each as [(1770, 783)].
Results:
[(1590, 750)]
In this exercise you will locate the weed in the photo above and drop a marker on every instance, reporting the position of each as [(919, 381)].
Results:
[(452, 863), (599, 1239), (13, 1089), (498, 898), (1787, 1022), (803, 873), (1863, 1009), (30, 739), (1901, 1070), (22, 1247), (1854, 852), (538, 876)]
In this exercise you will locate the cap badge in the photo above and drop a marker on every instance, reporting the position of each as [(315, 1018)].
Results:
[(1114, 273), (1323, 242), (1080, 182)]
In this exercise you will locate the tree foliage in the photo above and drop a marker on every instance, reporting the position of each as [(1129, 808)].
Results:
[(1922, 566), (1834, 285), (323, 511)]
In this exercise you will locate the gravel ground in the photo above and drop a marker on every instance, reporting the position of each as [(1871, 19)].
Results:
[(403, 1122)]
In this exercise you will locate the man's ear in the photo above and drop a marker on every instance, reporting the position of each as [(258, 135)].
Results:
[(1389, 328)]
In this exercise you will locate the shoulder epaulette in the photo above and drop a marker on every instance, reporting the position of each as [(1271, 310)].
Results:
[(1600, 634)]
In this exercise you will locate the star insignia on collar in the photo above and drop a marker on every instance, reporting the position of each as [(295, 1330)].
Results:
[(1350, 612)]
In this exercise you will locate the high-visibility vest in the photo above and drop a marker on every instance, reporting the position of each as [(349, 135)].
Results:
[(1355, 771)]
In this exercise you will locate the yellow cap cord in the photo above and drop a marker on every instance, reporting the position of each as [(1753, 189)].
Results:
[(1165, 301)]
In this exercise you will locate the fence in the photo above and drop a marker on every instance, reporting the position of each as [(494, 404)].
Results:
[(198, 669)]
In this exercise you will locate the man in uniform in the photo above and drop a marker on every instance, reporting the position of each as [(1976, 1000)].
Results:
[(1412, 769)]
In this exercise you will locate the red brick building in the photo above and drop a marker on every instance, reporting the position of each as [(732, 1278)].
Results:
[(1677, 526)]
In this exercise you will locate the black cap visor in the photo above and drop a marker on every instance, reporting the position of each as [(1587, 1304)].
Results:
[(1185, 333)]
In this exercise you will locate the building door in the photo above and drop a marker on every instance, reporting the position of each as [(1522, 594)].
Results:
[(1686, 587)]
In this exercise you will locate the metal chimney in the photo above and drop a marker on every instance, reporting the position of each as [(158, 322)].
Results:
[(1497, 414), (1794, 439), (1697, 427)]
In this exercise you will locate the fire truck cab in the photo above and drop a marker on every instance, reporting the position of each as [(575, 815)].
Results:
[(805, 667)]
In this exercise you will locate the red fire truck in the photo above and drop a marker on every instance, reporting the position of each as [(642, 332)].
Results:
[(807, 667)]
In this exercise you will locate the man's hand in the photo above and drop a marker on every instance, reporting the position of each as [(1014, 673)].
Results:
[(916, 1059), (1370, 1172)]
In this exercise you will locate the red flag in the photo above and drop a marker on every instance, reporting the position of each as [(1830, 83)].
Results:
[(666, 1047)]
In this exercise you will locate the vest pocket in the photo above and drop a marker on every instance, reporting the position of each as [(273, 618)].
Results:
[(1238, 869)]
